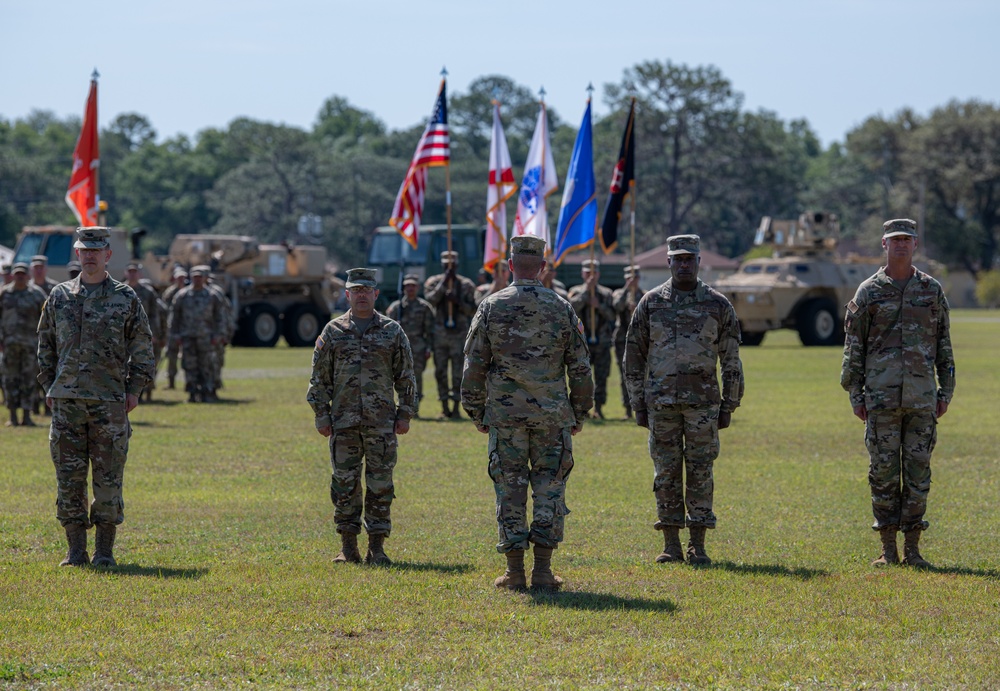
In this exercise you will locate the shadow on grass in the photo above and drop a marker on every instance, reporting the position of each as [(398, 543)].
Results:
[(599, 602), (147, 423), (430, 566), (159, 402), (230, 401), (799, 572), (150, 571), (962, 571)]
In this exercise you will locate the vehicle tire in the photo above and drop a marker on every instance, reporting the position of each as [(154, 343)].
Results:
[(260, 326), (303, 325), (752, 338), (818, 323)]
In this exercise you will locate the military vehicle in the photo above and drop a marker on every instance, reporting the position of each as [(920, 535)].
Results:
[(275, 289), (803, 285)]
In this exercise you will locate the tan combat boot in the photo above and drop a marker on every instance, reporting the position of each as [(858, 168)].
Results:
[(104, 545), (542, 577), (672, 550), (348, 549), (376, 551), (13, 422), (911, 554), (76, 537), (513, 578), (696, 547), (890, 555)]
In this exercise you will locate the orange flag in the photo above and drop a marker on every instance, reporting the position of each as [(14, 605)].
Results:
[(82, 195)]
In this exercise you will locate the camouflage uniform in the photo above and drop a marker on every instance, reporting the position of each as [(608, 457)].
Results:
[(449, 341), (155, 314), (675, 341), (351, 390), (897, 341), (94, 348), (523, 342), (19, 314), (197, 317), (483, 292), (603, 332), (173, 347), (417, 320), (229, 318), (624, 303)]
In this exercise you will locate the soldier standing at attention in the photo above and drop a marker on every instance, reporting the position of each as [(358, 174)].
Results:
[(625, 300), (229, 319), (523, 343), (173, 346), (95, 352), (501, 277), (154, 307), (197, 323), (360, 357), (39, 271), (897, 339), (20, 308), (594, 304), (453, 299), (416, 316), (680, 331)]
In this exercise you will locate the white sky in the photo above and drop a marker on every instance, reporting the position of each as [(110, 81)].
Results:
[(187, 65)]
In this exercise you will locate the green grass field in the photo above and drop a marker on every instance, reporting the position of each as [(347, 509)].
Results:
[(226, 576)]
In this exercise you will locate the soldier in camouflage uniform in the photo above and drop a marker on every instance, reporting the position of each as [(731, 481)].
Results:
[(5, 273), (549, 280), (229, 318), (20, 308), (899, 370), (95, 353), (501, 278), (625, 300), (523, 343), (39, 271), (453, 299), (198, 322), (360, 358), (173, 346), (155, 315), (416, 316), (594, 304), (680, 332)]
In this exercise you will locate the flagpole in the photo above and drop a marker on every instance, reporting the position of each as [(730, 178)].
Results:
[(449, 285), (631, 251), (97, 173), (593, 241)]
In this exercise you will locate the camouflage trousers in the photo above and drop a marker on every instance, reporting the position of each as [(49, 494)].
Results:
[(218, 362), (419, 349), (157, 358), (20, 375), (173, 349), (91, 433), (600, 360), (543, 459), (449, 353), (899, 444), (198, 359), (620, 359), (347, 448), (684, 443)]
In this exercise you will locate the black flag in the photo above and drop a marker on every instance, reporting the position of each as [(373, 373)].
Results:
[(622, 182)]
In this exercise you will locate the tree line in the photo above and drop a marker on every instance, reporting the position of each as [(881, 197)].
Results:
[(704, 164)]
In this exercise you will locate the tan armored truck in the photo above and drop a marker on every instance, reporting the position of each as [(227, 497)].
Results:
[(803, 285), (275, 289)]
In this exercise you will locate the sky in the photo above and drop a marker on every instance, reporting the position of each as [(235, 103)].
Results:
[(187, 65)]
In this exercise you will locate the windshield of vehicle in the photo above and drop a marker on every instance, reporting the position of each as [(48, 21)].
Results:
[(390, 248), (59, 249), (29, 247)]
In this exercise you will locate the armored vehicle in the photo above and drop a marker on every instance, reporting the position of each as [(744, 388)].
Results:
[(803, 285)]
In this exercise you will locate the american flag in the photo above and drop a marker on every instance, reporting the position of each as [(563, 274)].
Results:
[(433, 150)]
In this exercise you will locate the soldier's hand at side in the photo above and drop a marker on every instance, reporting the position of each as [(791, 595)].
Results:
[(49, 402), (325, 431), (861, 412), (724, 419), (642, 418), (942, 408), (131, 401), (483, 428), (576, 429), (402, 426)]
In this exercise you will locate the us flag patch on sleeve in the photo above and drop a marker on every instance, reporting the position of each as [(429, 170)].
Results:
[(852, 307), (319, 342)]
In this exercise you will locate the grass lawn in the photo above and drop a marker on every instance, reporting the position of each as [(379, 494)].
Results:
[(226, 575)]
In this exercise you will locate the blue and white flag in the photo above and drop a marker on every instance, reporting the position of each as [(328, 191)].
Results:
[(578, 215), (540, 180)]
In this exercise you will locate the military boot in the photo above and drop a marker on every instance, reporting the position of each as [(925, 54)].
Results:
[(171, 383), (209, 396), (696, 547), (104, 545), (376, 551), (13, 422), (76, 537), (456, 412), (445, 409), (890, 555), (628, 412), (911, 555), (542, 577), (598, 413), (672, 550), (348, 549), (513, 578), (26, 420)]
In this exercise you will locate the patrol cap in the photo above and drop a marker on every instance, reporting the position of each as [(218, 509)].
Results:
[(590, 265), (899, 226), (74, 266), (411, 280), (200, 270), (92, 238), (133, 266), (360, 277), (683, 244), (449, 256), (631, 271), (39, 260), (19, 268), (529, 245), (179, 272)]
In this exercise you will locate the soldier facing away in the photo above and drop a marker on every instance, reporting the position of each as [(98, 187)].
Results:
[(523, 344), (594, 305), (360, 358), (95, 354), (899, 370), (416, 316), (680, 332), (453, 299), (20, 308)]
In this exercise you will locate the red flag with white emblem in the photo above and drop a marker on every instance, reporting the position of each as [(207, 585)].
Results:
[(82, 195)]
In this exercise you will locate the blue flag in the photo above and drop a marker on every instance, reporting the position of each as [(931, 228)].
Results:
[(578, 215)]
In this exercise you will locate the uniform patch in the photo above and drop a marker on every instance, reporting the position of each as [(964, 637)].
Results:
[(579, 326), (319, 342), (852, 307)]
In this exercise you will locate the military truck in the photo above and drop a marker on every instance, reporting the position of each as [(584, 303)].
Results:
[(275, 289), (803, 285)]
